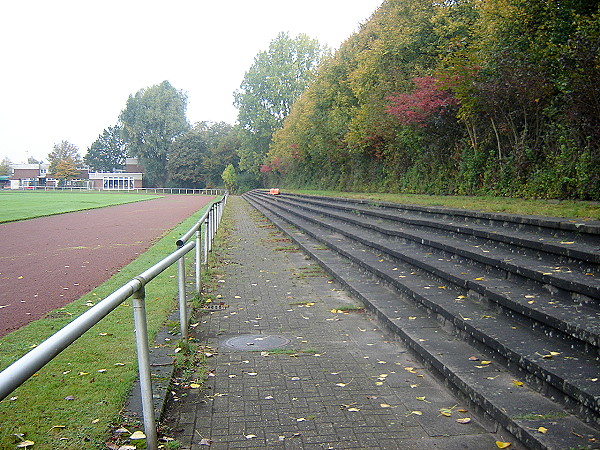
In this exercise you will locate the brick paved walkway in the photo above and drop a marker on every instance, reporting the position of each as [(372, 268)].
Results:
[(346, 383)]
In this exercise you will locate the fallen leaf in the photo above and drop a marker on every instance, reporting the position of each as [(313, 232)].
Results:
[(137, 435), (121, 430), (416, 413), (446, 412), (517, 383), (464, 420), (205, 441), (543, 430), (385, 405), (501, 444), (25, 444), (423, 399), (69, 398), (341, 384), (485, 363), (250, 436), (410, 369), (195, 385), (354, 409), (301, 419)]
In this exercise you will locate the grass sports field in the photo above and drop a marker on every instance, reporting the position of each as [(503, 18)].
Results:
[(21, 205)]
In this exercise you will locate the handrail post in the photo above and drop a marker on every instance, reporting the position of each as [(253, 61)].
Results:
[(143, 355), (206, 238), (183, 321), (198, 260)]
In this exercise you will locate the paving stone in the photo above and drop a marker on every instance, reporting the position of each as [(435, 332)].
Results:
[(349, 390)]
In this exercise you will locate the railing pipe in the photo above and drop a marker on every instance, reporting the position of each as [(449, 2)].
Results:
[(198, 261), (143, 355), (183, 320), (206, 239), (19, 371)]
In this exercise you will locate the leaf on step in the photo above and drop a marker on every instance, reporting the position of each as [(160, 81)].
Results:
[(501, 444), (518, 383), (542, 430), (464, 420)]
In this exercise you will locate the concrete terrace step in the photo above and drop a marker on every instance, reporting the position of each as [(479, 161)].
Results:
[(558, 313), (446, 316), (546, 267)]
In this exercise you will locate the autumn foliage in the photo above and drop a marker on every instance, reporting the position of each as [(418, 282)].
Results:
[(425, 103), (486, 97)]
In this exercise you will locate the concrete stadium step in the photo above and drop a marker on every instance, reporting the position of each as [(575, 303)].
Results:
[(450, 319), (578, 239), (545, 266), (556, 312)]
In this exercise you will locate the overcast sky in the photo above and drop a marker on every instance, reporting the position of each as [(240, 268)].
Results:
[(68, 67)]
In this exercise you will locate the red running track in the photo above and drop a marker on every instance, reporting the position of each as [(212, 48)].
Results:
[(48, 262)]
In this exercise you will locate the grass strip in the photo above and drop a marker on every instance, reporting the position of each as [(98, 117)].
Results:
[(72, 402), (22, 205), (551, 208)]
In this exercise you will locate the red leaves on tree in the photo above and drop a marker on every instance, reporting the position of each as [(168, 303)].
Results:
[(427, 101)]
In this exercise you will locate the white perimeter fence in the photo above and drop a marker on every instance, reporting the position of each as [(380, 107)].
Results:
[(136, 190), (204, 231)]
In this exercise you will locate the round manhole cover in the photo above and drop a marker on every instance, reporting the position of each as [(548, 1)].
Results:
[(256, 342)]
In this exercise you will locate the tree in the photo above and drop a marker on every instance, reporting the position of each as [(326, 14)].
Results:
[(107, 153), (64, 161), (152, 119), (230, 178), (32, 160), (197, 158), (275, 80), (5, 167)]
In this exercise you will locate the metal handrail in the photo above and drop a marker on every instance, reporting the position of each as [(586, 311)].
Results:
[(210, 220), (21, 370)]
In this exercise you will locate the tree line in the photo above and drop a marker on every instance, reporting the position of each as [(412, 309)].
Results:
[(497, 97), (472, 97), (153, 127)]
